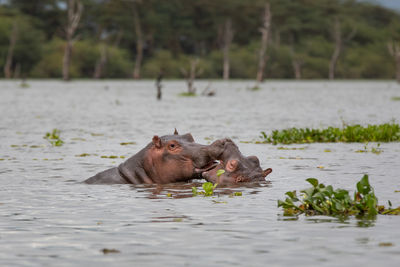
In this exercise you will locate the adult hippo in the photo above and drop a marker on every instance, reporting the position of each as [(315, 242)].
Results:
[(237, 167), (167, 159)]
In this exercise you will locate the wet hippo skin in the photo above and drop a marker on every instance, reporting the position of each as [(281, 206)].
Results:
[(167, 159), (237, 167)]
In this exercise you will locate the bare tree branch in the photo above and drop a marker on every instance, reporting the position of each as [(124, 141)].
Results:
[(74, 12), (265, 29)]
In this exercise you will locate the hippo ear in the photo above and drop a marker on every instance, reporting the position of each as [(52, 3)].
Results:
[(267, 171), (232, 165), (254, 159), (176, 132), (188, 137), (157, 141)]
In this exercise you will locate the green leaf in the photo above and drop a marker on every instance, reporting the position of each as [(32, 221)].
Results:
[(220, 172), (312, 181), (194, 191)]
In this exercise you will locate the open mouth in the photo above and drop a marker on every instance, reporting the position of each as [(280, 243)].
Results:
[(211, 165)]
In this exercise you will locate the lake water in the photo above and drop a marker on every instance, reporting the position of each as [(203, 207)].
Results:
[(48, 218)]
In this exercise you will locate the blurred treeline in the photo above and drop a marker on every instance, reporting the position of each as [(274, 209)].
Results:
[(303, 38)]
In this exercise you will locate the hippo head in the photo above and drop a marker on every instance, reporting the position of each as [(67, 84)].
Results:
[(237, 168), (173, 158)]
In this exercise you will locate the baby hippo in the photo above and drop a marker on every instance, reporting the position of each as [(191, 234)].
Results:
[(237, 167)]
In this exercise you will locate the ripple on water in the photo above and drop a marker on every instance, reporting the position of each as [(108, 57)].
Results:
[(49, 218)]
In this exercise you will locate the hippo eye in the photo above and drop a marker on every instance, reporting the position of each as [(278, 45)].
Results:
[(172, 146)]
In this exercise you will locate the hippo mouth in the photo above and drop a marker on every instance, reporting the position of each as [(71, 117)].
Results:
[(211, 165)]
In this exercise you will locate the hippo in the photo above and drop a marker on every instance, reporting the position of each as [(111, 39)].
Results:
[(237, 167), (167, 159)]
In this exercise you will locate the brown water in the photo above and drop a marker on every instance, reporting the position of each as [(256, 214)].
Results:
[(48, 218)]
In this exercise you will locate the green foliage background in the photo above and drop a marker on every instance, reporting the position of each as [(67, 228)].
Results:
[(177, 30)]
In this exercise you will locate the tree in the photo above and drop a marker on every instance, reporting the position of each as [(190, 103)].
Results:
[(264, 42), (227, 41), (394, 50), (74, 12), (10, 54), (139, 40), (191, 74), (339, 43)]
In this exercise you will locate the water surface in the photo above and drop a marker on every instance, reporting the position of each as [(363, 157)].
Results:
[(48, 218)]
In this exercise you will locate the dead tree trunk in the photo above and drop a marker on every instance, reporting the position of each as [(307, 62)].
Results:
[(159, 85), (297, 65), (339, 43), (394, 50), (190, 75), (10, 54), (228, 37), (98, 71), (74, 11), (265, 29), (17, 71), (139, 42)]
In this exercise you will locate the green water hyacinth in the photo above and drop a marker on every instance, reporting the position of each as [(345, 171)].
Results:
[(388, 132), (208, 189), (54, 138), (324, 200)]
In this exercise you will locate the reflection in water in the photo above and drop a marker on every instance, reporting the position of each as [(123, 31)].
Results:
[(184, 190), (49, 218)]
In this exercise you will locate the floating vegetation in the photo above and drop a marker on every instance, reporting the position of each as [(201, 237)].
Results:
[(32, 146), (1, 159), (97, 134), (388, 132), (236, 194), (24, 84), (295, 158), (208, 189), (376, 150), (327, 150), (395, 98), (219, 202), (187, 94), (253, 142), (169, 195), (254, 88), (324, 200), (108, 251), (127, 143), (385, 244), (83, 155), (291, 148), (78, 139), (112, 157), (54, 138)]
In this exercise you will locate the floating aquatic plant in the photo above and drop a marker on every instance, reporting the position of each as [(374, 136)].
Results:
[(112, 157), (376, 150), (187, 94), (54, 138), (324, 200), (208, 189), (127, 143), (388, 132)]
